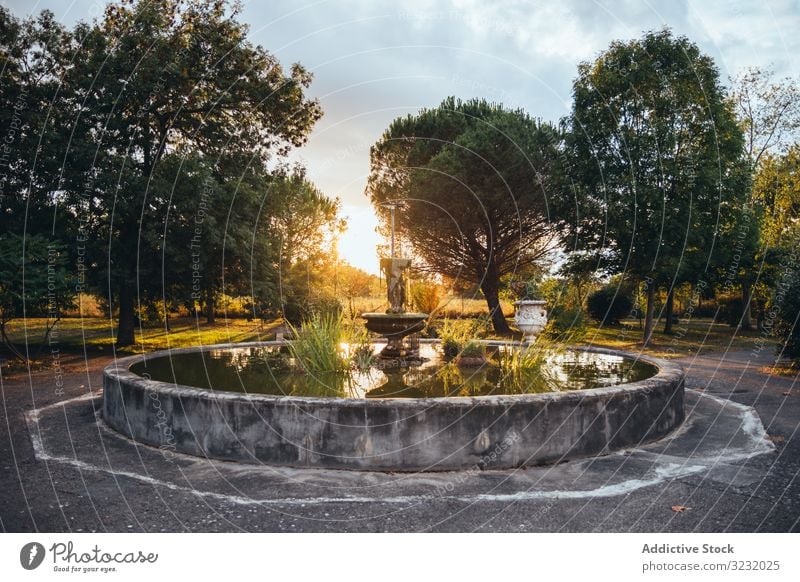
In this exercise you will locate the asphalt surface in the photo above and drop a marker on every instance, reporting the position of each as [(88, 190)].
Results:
[(733, 466)]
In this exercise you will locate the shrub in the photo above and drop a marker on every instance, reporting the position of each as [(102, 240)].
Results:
[(297, 309), (787, 326), (425, 297), (473, 349), (450, 348), (706, 310), (608, 305), (566, 324), (730, 309), (454, 334)]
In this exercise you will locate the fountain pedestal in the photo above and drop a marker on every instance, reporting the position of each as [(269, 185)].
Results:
[(396, 324), (396, 327)]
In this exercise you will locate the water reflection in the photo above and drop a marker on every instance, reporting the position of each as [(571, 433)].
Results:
[(266, 370)]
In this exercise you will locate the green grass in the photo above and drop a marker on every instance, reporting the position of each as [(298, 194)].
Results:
[(97, 334), (695, 337)]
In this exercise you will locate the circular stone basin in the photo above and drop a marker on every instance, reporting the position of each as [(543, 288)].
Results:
[(410, 424)]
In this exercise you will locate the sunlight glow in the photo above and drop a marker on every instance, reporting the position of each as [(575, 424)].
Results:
[(358, 244)]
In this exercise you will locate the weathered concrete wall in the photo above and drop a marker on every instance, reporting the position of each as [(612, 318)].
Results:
[(393, 434)]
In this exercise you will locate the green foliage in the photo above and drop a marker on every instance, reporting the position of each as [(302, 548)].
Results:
[(776, 188), (361, 352), (657, 162), (565, 324), (34, 281), (730, 309), (609, 305), (788, 326), (457, 334)]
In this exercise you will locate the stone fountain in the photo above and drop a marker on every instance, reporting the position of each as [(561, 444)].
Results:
[(396, 324)]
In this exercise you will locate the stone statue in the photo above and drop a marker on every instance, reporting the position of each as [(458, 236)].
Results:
[(394, 270)]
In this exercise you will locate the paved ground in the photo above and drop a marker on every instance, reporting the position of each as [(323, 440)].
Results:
[(734, 464)]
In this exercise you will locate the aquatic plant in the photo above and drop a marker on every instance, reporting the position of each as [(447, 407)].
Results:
[(317, 345), (523, 368), (455, 335), (361, 354)]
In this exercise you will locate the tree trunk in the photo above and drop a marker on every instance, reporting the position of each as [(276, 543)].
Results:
[(747, 320), (491, 292), (650, 309), (126, 325), (670, 307), (210, 316)]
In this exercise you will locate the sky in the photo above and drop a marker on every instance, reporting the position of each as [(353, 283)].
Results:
[(374, 61)]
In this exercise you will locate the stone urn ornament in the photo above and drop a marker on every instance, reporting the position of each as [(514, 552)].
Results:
[(530, 314)]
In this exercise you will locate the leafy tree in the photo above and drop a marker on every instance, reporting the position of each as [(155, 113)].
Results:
[(147, 79), (656, 163), (769, 115), (34, 279), (474, 179), (768, 111), (352, 282), (304, 225), (776, 188)]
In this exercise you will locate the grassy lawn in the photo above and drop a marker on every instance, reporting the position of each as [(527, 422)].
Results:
[(96, 334), (697, 336)]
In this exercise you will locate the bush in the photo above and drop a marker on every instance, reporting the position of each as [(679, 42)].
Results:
[(450, 348), (152, 314), (425, 297), (608, 305), (730, 309), (707, 310), (566, 324), (473, 350), (787, 326), (298, 309)]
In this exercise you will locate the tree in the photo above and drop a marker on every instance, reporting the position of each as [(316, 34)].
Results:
[(34, 279), (656, 161), (245, 237), (768, 111), (352, 282), (769, 114), (776, 189), (152, 77), (304, 224), (474, 179)]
